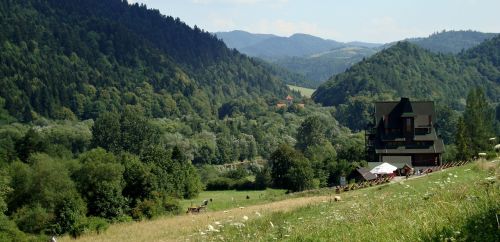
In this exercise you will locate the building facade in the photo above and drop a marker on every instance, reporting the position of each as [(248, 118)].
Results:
[(404, 133)]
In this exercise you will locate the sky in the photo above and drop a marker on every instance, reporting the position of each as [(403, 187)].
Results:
[(378, 21)]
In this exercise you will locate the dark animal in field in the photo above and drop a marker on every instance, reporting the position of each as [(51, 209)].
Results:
[(195, 210)]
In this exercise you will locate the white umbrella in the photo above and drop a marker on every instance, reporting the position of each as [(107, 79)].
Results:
[(384, 168)]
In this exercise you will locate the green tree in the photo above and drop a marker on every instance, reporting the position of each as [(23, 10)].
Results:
[(100, 181), (31, 142), (311, 132), (290, 169), (478, 118), (106, 132), (462, 141)]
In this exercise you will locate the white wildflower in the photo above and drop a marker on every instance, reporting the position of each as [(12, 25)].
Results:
[(217, 222), (258, 214), (272, 225), (239, 225), (212, 229), (245, 218), (202, 233)]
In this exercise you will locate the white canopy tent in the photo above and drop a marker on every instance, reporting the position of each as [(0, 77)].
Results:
[(384, 168)]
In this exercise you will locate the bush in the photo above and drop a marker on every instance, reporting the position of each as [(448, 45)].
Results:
[(9, 231), (151, 208), (244, 185), (263, 179), (68, 213), (147, 209), (221, 183), (236, 174), (32, 219), (97, 224)]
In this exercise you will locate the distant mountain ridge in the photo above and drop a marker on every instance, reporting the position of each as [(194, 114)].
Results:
[(271, 47), (296, 54)]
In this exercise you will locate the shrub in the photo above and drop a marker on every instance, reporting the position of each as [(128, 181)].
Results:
[(32, 219), (9, 230), (151, 208), (221, 183), (68, 213), (244, 185), (97, 224), (263, 179)]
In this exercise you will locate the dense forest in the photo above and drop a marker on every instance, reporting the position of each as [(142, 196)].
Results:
[(82, 58), (408, 70), (452, 42)]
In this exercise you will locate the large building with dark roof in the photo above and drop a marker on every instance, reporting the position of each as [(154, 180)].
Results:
[(403, 133)]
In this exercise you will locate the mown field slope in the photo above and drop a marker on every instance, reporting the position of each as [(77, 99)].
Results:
[(457, 203)]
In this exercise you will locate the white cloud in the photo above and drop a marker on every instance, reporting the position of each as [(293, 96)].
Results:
[(239, 2), (221, 23), (386, 28)]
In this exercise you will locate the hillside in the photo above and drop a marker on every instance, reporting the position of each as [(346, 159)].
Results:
[(295, 45), (319, 67), (408, 70), (446, 204), (331, 58), (76, 58), (452, 41)]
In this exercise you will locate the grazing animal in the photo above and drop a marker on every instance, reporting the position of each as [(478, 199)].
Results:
[(337, 198), (248, 197), (205, 202), (210, 200)]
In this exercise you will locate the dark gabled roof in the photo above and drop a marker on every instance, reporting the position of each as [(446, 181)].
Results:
[(420, 110), (366, 174)]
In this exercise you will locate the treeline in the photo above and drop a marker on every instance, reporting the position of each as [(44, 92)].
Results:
[(318, 157), (58, 179), (408, 70)]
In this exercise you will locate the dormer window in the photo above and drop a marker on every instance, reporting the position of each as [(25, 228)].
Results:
[(408, 125)]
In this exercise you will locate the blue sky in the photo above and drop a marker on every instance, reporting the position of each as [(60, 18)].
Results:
[(343, 20)]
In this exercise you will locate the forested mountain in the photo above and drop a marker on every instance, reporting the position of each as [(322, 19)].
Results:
[(408, 70), (60, 58), (450, 41), (295, 45)]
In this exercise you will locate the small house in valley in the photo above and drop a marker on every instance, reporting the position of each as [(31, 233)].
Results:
[(403, 133)]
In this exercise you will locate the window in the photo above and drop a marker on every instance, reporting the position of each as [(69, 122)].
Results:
[(408, 125)]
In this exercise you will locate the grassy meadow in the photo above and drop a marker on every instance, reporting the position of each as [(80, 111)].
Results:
[(456, 204), (459, 203), (306, 92), (222, 200)]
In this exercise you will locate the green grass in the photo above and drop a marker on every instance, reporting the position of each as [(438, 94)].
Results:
[(223, 200), (455, 204), (306, 92)]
